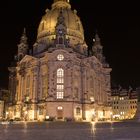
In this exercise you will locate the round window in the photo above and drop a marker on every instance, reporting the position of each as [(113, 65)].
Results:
[(60, 57)]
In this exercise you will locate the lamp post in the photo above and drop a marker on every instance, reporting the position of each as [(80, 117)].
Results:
[(7, 113), (111, 115)]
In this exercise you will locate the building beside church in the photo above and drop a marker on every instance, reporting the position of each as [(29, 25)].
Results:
[(4, 100), (137, 116), (1, 109), (124, 104), (59, 79)]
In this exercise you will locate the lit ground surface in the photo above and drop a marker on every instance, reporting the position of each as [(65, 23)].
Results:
[(71, 131)]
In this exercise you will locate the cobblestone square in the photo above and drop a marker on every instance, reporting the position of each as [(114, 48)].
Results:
[(71, 131)]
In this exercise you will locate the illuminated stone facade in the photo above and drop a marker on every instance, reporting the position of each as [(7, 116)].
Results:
[(59, 79), (1, 109)]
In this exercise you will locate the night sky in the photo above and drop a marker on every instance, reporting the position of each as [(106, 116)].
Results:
[(118, 25)]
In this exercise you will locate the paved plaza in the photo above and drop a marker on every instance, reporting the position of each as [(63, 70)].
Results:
[(71, 131)]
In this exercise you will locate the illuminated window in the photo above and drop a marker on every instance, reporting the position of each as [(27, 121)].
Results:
[(78, 111), (92, 99), (60, 76), (60, 83), (60, 88), (60, 57), (27, 98), (40, 110)]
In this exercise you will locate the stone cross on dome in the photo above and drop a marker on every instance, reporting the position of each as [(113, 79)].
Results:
[(62, 0), (61, 4)]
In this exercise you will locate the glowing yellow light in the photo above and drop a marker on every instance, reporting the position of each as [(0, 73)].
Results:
[(93, 129), (92, 99), (60, 57), (116, 116), (100, 114), (7, 113), (47, 117), (26, 112)]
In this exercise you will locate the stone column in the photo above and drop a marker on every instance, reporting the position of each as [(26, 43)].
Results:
[(35, 87), (20, 87), (84, 80), (83, 85), (31, 85), (23, 87)]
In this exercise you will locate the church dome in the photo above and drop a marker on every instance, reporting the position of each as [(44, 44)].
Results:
[(46, 30)]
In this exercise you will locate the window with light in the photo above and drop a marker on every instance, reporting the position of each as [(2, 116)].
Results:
[(78, 111), (60, 83), (40, 110), (60, 57)]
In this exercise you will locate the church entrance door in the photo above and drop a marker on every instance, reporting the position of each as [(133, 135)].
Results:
[(60, 112)]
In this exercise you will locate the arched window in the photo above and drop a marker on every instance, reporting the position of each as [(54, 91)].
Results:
[(60, 83), (60, 76), (40, 110)]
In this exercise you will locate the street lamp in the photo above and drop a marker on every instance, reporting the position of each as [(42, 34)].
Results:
[(111, 115), (7, 113)]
